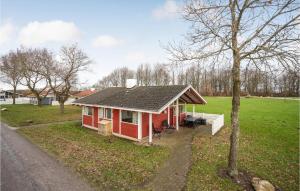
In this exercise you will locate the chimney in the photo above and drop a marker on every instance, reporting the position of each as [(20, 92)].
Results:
[(130, 83)]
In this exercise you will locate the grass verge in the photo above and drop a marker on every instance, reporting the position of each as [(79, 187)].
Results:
[(109, 163), (21, 114), (269, 144)]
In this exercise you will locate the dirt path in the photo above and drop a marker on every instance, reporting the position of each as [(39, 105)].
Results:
[(172, 175), (25, 167)]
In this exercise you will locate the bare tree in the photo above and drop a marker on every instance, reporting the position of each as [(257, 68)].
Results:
[(237, 33), (10, 70), (62, 75), (32, 62)]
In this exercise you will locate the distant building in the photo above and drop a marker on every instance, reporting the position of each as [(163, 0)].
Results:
[(6, 94), (84, 93)]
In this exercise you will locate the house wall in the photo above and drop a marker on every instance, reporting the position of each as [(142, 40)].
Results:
[(145, 124), (129, 129), (157, 119), (87, 120), (116, 120), (95, 113)]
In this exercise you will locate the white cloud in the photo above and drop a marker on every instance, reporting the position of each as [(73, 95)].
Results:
[(6, 31), (168, 11), (52, 31), (105, 41), (136, 57)]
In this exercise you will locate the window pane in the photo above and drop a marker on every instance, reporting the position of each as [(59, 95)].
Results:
[(127, 116), (90, 112), (135, 118), (101, 113), (108, 113)]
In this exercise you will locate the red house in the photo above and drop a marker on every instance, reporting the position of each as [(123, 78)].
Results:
[(133, 112)]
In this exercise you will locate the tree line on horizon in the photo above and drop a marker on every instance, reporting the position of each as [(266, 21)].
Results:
[(209, 81)]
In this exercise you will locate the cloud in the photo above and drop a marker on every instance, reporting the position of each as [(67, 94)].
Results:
[(167, 11), (6, 31), (136, 56), (52, 31), (105, 41)]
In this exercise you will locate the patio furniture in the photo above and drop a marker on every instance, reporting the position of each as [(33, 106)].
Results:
[(193, 121), (157, 130)]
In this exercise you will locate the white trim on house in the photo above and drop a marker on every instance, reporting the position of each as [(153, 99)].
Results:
[(193, 110), (168, 115), (124, 136), (150, 127), (198, 94), (120, 119), (139, 125), (177, 113), (112, 120)]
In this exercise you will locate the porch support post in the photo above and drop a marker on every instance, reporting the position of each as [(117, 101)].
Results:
[(184, 107), (193, 110), (150, 128), (177, 115), (139, 126), (168, 115)]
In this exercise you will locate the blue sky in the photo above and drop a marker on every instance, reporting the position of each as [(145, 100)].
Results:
[(113, 33)]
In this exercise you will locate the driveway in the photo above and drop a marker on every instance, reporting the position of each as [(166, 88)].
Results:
[(25, 167)]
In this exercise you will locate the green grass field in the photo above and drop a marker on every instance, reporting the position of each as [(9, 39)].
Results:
[(269, 144), (18, 115), (109, 163)]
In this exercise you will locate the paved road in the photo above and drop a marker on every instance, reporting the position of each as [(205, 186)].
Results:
[(25, 167)]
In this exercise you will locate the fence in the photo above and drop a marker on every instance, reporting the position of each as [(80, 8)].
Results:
[(215, 120), (20, 100)]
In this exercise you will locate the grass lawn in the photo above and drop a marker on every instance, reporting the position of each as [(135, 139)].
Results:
[(269, 144), (109, 163), (17, 115)]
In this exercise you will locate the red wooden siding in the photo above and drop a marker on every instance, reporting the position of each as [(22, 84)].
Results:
[(145, 124), (95, 116), (130, 130), (116, 120), (87, 120), (157, 119)]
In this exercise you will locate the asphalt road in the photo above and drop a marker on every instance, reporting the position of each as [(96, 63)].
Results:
[(25, 167)]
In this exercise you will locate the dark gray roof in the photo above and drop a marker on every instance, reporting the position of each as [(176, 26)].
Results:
[(150, 98)]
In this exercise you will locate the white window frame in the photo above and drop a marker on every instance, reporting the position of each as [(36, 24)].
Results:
[(137, 121), (104, 113), (86, 111)]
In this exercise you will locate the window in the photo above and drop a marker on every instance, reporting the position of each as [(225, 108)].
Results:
[(130, 117), (88, 111), (108, 113), (104, 113), (101, 113)]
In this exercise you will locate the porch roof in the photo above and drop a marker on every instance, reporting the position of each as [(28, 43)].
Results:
[(142, 98)]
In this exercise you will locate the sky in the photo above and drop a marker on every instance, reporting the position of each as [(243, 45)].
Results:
[(113, 33)]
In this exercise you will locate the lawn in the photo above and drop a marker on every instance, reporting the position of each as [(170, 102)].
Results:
[(269, 144), (108, 163), (18, 115)]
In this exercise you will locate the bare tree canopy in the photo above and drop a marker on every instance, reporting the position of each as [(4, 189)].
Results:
[(61, 75), (10, 71), (240, 33), (32, 62)]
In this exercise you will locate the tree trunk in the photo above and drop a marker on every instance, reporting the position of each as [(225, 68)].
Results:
[(14, 94), (234, 137), (39, 101), (62, 107)]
